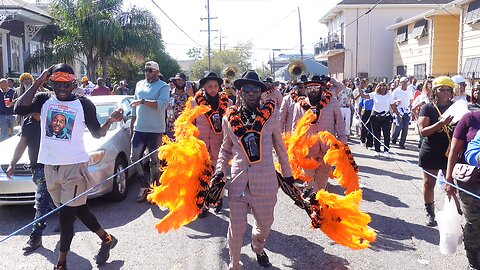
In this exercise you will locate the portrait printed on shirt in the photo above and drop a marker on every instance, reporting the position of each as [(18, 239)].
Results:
[(60, 121)]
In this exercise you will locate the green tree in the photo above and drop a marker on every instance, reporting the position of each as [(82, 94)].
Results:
[(101, 31), (239, 57)]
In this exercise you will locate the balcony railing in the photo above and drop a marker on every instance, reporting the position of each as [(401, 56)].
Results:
[(328, 43)]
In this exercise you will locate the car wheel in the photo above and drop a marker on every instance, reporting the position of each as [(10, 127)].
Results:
[(119, 189)]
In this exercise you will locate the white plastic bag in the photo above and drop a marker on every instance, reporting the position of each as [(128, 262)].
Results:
[(449, 226)]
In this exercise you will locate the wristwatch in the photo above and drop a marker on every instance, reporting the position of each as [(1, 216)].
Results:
[(142, 101)]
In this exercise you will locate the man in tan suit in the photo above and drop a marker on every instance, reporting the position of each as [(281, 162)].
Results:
[(272, 93), (250, 131), (329, 118), (210, 123), (288, 104)]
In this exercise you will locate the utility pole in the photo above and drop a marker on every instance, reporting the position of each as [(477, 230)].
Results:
[(220, 37), (208, 30), (300, 27)]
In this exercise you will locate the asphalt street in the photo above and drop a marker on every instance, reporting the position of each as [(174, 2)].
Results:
[(392, 195)]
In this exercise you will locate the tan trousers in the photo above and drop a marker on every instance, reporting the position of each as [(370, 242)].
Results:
[(320, 177), (262, 210)]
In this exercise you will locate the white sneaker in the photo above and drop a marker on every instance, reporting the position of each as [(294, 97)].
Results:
[(377, 154), (387, 155), (362, 144)]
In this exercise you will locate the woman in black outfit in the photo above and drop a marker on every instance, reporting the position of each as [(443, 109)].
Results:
[(438, 133)]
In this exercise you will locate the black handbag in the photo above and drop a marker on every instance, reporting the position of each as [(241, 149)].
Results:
[(465, 173)]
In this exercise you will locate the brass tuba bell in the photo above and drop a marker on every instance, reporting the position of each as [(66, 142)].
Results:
[(296, 68), (229, 73)]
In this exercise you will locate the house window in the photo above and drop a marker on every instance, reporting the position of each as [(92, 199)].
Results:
[(15, 49), (471, 69), (402, 34), (473, 12), (34, 51), (420, 29), (342, 33), (401, 70), (420, 71)]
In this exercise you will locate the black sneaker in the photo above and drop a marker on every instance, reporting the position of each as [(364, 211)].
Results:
[(33, 243), (262, 258), (204, 212), (219, 206), (104, 251)]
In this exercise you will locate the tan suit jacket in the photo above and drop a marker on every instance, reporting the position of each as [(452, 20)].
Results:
[(275, 95), (286, 114), (212, 139), (260, 176), (331, 120)]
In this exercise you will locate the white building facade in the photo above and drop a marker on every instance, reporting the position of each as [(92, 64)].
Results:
[(358, 43)]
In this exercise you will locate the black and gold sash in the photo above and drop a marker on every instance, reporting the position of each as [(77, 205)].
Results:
[(317, 109), (250, 138), (214, 117)]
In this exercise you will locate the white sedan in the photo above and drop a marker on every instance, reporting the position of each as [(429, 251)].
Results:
[(108, 155)]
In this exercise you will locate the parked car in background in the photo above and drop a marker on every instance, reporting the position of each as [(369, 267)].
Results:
[(108, 155)]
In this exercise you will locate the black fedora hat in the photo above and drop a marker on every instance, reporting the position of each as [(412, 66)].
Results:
[(211, 76), (249, 77), (318, 80), (268, 80)]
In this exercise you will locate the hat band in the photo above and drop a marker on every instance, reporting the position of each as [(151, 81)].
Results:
[(62, 77)]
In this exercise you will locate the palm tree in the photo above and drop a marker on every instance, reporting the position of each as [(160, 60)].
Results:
[(100, 30)]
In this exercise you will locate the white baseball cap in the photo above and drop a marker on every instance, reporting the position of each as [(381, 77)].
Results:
[(152, 65), (404, 79), (458, 79)]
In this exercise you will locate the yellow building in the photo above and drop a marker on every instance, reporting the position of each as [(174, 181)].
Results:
[(427, 44)]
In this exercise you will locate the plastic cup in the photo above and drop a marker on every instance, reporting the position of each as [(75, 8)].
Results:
[(6, 101)]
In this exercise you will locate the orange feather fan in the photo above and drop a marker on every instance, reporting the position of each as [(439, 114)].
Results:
[(339, 156), (298, 146), (186, 175), (341, 219)]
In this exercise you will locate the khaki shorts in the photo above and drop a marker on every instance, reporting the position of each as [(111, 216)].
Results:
[(65, 182)]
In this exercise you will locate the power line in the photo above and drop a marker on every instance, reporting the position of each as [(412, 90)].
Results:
[(175, 23), (354, 20)]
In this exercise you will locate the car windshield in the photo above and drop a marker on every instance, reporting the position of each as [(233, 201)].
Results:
[(103, 111)]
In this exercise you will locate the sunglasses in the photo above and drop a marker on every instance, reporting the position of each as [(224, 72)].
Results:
[(444, 89), (316, 87), (60, 84), (148, 70), (251, 88)]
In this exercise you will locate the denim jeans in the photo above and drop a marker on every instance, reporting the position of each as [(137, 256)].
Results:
[(6, 123), (140, 142), (401, 125), (43, 201)]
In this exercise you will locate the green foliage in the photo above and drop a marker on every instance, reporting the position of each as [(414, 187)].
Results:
[(238, 57), (102, 32)]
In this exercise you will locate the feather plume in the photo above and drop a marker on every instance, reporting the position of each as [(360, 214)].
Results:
[(298, 145), (186, 175), (341, 219), (340, 156)]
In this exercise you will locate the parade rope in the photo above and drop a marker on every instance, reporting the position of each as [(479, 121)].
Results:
[(440, 182), (75, 198)]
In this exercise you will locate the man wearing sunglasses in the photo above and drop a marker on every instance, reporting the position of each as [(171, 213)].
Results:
[(328, 118), (65, 157), (148, 124), (250, 132)]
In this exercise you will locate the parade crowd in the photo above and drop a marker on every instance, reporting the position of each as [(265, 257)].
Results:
[(243, 134)]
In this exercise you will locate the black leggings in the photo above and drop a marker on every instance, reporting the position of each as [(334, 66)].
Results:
[(381, 124), (67, 218)]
